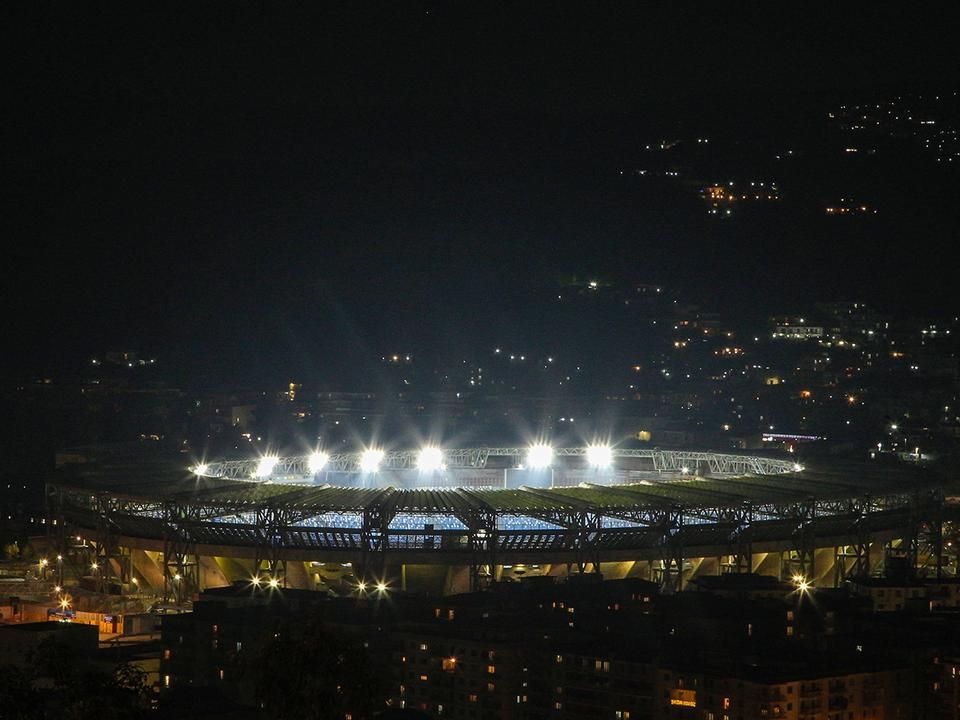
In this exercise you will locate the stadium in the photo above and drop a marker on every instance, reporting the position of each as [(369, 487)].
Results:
[(443, 520)]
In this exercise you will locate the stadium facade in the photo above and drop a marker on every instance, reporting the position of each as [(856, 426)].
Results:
[(453, 520)]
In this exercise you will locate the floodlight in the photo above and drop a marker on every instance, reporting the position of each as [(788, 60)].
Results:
[(430, 459), (539, 456), (200, 469), (370, 460), (381, 587), (273, 582), (265, 466), (600, 456), (317, 461)]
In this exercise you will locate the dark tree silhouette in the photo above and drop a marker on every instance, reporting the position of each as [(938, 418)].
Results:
[(309, 673)]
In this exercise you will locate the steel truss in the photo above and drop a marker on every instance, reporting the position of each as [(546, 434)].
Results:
[(181, 563), (589, 521), (297, 468)]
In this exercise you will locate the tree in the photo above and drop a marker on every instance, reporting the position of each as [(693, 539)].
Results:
[(20, 700), (82, 691), (310, 673)]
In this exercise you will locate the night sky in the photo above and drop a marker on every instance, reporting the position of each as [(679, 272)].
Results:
[(257, 194)]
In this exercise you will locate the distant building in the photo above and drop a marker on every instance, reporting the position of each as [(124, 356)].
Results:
[(794, 328)]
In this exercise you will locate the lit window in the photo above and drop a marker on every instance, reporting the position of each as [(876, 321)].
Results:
[(472, 697), (166, 681), (491, 687), (558, 706), (424, 678), (423, 646), (491, 669)]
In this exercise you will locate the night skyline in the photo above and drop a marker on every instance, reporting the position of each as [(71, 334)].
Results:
[(251, 188)]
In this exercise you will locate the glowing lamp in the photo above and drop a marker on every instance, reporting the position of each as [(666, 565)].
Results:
[(265, 466), (317, 461), (430, 459), (600, 456), (539, 456), (370, 460)]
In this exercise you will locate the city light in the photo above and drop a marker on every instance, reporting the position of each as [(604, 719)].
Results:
[(362, 586), (600, 456), (200, 469), (317, 461), (255, 581), (370, 460), (273, 583), (265, 466), (430, 459), (381, 587), (539, 456)]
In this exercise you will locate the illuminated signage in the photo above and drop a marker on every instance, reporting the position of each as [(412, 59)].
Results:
[(683, 698)]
